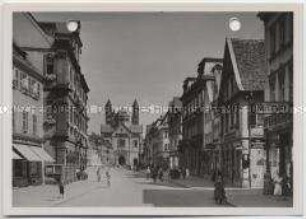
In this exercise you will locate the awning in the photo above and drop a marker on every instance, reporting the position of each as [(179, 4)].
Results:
[(42, 154), (16, 156), (27, 152)]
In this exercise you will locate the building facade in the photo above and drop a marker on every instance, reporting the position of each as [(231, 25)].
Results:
[(212, 69), (279, 92), (65, 99), (175, 131), (195, 150), (157, 143), (192, 125), (124, 133), (242, 86), (29, 156)]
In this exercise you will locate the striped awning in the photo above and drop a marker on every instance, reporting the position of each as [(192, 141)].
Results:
[(16, 156), (42, 154), (27, 152)]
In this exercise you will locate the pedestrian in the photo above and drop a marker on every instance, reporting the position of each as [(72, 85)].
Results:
[(108, 177), (184, 172), (61, 187), (219, 192), (148, 173), (277, 184), (187, 173), (154, 174), (160, 174)]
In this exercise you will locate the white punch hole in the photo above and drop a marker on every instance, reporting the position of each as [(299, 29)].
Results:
[(234, 24), (72, 26)]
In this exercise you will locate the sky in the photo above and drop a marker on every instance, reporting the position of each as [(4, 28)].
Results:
[(148, 55)]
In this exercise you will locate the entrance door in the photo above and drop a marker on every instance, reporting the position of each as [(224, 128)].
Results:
[(121, 160)]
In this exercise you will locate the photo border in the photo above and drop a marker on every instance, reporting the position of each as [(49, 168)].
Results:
[(6, 97)]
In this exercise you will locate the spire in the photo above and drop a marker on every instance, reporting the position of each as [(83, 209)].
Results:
[(108, 112), (108, 103), (135, 104), (135, 114)]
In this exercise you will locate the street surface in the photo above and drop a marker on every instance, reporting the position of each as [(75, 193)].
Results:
[(133, 189), (127, 189)]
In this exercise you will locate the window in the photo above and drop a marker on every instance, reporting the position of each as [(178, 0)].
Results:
[(14, 121), (25, 115), (252, 118), (135, 143), (281, 82), (16, 78), (34, 125), (290, 81), (31, 86), (272, 41), (290, 27), (49, 64), (237, 116), (18, 168), (121, 142), (24, 81), (166, 134), (272, 88), (281, 33)]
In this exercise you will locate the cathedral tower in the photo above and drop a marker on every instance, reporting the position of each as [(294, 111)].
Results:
[(135, 114), (108, 112)]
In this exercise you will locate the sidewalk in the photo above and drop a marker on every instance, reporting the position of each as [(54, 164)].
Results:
[(255, 198), (239, 197), (48, 195)]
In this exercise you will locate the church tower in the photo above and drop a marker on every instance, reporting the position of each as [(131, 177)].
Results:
[(135, 114), (108, 112)]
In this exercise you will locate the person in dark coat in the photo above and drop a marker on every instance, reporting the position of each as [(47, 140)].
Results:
[(61, 187)]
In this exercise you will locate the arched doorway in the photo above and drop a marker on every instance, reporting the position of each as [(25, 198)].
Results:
[(121, 160)]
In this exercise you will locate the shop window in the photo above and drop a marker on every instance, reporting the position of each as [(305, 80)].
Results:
[(17, 168)]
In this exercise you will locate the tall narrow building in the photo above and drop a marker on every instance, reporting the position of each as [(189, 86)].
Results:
[(135, 114), (108, 112)]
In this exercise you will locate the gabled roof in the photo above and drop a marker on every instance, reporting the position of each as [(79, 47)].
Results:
[(249, 63)]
